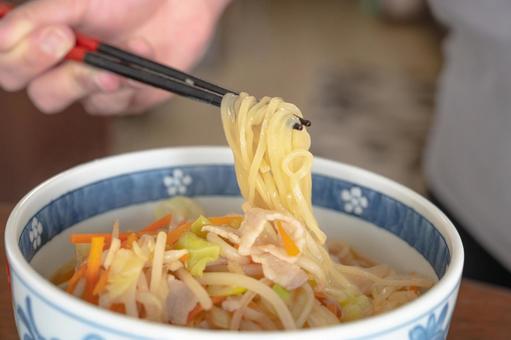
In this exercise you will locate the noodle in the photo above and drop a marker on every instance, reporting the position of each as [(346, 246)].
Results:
[(114, 246), (386, 282), (142, 284), (226, 249), (157, 267), (312, 267), (152, 305), (200, 293), (130, 301), (247, 325), (256, 286), (307, 307), (238, 314), (261, 318), (115, 230), (321, 316)]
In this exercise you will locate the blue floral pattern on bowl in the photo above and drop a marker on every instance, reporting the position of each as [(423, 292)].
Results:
[(177, 183), (434, 329), (26, 317), (354, 201), (35, 233)]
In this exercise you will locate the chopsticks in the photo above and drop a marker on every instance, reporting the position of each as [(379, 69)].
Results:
[(150, 74), (104, 56), (107, 57)]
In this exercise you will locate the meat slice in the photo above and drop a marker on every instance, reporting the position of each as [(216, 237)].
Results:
[(180, 301), (286, 274), (254, 232)]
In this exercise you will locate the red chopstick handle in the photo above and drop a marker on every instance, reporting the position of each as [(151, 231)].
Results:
[(4, 8), (77, 54), (86, 42)]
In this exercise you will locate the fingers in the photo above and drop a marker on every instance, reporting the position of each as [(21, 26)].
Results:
[(100, 91), (34, 37), (58, 88), (22, 20), (39, 51), (126, 99), (110, 103)]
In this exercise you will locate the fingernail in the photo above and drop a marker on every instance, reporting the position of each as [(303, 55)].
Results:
[(55, 42), (12, 32)]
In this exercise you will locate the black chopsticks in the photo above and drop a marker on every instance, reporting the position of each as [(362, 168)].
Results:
[(148, 76), (104, 56)]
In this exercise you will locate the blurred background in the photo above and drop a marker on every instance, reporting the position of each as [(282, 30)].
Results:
[(364, 72)]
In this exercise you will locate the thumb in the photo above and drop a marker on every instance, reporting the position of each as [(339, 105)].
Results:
[(22, 20)]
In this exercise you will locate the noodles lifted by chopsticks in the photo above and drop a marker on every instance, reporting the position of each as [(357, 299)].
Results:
[(273, 162)]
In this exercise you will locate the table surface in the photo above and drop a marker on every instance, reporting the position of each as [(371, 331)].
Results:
[(482, 311)]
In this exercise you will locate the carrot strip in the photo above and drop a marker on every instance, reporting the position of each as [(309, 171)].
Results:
[(118, 308), (289, 245), (414, 289), (93, 266), (73, 281), (198, 308), (141, 311), (333, 307), (151, 228), (174, 235), (87, 238), (232, 220), (94, 259), (320, 295), (194, 312), (217, 299), (102, 282), (184, 258), (158, 224)]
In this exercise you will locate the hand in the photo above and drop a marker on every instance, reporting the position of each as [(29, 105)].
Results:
[(36, 36)]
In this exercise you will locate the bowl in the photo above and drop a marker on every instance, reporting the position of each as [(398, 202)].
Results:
[(380, 218)]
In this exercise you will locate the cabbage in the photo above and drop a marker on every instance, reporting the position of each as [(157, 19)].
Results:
[(182, 208), (356, 307), (200, 252), (200, 222), (124, 272)]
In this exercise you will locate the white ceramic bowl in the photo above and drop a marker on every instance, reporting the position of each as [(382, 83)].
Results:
[(381, 218)]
